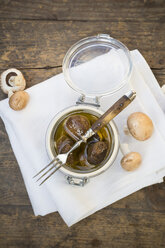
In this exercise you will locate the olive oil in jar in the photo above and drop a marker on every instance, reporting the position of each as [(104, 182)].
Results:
[(89, 155)]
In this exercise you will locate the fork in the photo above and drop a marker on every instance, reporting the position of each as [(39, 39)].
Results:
[(114, 110)]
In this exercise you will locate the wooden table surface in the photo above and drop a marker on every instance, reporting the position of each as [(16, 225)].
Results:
[(34, 37)]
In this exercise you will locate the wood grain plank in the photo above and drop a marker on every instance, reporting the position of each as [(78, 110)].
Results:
[(35, 76), (35, 44), (113, 228), (160, 76), (98, 10)]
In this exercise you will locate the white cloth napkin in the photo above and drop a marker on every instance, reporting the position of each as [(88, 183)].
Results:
[(26, 130)]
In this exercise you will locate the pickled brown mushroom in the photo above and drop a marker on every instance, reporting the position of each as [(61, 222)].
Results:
[(96, 152), (64, 144), (83, 155), (76, 126)]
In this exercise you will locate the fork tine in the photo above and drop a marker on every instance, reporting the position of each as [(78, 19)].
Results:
[(48, 170), (51, 174), (45, 167)]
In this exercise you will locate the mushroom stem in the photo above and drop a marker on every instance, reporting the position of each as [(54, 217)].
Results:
[(130, 160), (11, 80), (126, 130), (124, 148)]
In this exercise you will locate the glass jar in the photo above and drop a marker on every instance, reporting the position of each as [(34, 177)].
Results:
[(83, 66)]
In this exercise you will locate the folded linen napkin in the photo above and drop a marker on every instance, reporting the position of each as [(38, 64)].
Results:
[(26, 130)]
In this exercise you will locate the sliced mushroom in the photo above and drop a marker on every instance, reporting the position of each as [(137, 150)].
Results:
[(140, 126), (96, 152), (64, 144), (12, 80), (76, 126)]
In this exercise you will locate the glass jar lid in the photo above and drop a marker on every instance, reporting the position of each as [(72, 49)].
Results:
[(97, 65)]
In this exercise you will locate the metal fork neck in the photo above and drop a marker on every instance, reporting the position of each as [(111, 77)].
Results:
[(87, 135), (76, 145), (84, 138)]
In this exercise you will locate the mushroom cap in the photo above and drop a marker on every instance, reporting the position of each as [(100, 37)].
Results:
[(131, 161), (19, 100), (140, 126), (76, 126), (12, 80), (64, 144), (96, 152)]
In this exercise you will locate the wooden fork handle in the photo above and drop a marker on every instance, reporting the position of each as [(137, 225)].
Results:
[(114, 110)]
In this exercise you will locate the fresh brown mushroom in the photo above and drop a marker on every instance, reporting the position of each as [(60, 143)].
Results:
[(19, 100), (140, 126), (76, 126), (130, 160), (13, 83), (96, 152)]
